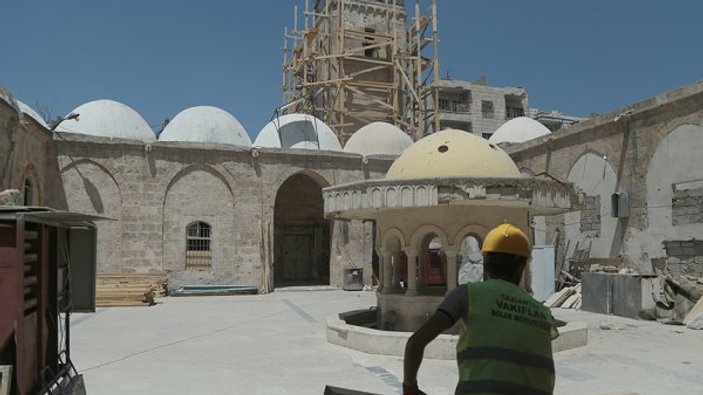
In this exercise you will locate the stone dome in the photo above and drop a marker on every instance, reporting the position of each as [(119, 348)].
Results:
[(107, 118), (29, 111), (297, 131), (378, 138), (206, 124), (452, 153), (518, 130)]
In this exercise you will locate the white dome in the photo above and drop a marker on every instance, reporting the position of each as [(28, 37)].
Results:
[(29, 111), (518, 130), (297, 131), (378, 138), (206, 124), (107, 118)]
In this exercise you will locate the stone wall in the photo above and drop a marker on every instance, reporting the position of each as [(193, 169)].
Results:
[(154, 191), (25, 148), (684, 257), (687, 206), (644, 149), (590, 215)]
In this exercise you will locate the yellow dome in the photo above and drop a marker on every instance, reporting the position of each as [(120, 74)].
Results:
[(452, 153)]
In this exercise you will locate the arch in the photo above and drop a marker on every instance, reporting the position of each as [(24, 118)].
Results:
[(302, 235), (396, 270), (199, 193), (593, 226), (471, 229), (394, 232), (674, 182), (432, 261), (587, 152), (313, 174), (421, 232), (30, 173), (107, 168), (91, 188), (195, 167)]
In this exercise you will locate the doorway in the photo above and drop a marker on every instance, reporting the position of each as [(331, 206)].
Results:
[(301, 233)]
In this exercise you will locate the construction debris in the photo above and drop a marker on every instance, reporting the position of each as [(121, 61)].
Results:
[(605, 325), (567, 298), (129, 289), (696, 323)]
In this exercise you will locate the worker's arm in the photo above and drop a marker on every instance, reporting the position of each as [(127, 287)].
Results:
[(415, 348)]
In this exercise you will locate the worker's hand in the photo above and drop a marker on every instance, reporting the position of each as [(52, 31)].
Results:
[(412, 390)]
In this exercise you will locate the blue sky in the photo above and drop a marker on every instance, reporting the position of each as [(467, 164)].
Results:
[(161, 57)]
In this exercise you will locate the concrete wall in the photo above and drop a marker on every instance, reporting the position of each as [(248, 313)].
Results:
[(472, 96), (154, 191), (650, 150)]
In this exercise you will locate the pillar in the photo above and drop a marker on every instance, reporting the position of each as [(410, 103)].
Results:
[(452, 254), (395, 269), (386, 271), (412, 273)]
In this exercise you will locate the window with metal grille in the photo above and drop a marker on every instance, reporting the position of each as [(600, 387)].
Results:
[(198, 242)]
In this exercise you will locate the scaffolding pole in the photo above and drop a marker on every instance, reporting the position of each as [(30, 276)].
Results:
[(350, 75)]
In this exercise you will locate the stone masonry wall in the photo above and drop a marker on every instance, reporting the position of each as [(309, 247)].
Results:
[(687, 206), (684, 257), (590, 214), (24, 145), (162, 187), (641, 143)]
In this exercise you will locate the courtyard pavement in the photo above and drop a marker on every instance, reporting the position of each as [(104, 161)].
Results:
[(275, 344)]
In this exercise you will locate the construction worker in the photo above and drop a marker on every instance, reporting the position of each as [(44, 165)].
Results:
[(505, 334)]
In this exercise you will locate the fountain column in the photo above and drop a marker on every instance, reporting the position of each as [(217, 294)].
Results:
[(412, 272)]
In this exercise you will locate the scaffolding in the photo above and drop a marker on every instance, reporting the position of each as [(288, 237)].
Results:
[(350, 75)]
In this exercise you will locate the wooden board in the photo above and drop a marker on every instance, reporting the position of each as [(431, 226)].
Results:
[(129, 289), (570, 301), (558, 298)]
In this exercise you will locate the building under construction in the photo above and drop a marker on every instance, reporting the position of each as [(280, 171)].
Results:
[(353, 62)]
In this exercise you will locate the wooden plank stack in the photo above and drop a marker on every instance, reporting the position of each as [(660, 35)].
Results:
[(129, 289), (567, 298)]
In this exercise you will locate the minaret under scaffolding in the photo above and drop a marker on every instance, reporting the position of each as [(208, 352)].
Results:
[(353, 62)]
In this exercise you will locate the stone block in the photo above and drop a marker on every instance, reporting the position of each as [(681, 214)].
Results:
[(688, 251), (673, 259), (677, 269), (689, 243), (11, 197)]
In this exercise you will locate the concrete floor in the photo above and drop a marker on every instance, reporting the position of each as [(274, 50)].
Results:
[(275, 344)]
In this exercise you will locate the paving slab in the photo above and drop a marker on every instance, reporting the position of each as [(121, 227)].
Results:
[(275, 344)]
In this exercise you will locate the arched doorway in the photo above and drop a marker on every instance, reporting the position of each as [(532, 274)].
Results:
[(301, 233)]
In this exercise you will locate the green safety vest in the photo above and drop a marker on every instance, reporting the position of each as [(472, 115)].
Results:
[(506, 345)]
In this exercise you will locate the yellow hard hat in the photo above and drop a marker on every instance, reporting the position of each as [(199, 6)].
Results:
[(507, 239)]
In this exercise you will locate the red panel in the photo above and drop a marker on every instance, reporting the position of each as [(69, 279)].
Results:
[(436, 268)]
